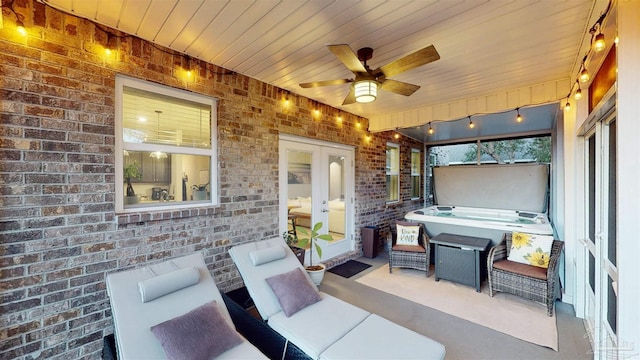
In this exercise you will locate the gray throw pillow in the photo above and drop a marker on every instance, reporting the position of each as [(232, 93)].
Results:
[(202, 333), (293, 291)]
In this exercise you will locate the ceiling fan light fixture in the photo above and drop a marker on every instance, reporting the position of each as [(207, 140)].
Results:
[(365, 91)]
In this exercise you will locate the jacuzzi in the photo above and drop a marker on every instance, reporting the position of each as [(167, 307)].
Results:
[(487, 201), (479, 222)]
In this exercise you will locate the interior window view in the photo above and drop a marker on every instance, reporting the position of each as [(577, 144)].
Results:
[(302, 180), (167, 149)]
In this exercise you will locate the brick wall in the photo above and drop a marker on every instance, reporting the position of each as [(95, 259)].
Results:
[(60, 233)]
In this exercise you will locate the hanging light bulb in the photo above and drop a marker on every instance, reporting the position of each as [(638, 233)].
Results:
[(598, 43), (518, 117), (396, 136), (158, 154), (430, 129), (578, 94), (471, 124), (567, 106), (584, 75)]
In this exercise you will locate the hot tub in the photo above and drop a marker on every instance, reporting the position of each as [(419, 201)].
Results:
[(479, 222)]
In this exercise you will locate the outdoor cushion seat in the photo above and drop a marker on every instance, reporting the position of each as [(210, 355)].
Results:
[(329, 328), (184, 285), (521, 269)]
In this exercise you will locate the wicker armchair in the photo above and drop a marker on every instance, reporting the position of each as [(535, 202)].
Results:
[(410, 256), (530, 282)]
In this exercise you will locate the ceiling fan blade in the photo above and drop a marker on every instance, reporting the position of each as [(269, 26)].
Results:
[(399, 87), (344, 53), (411, 61), (325, 83), (351, 97)]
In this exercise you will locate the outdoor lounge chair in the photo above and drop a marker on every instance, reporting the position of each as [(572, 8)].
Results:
[(157, 296), (325, 327)]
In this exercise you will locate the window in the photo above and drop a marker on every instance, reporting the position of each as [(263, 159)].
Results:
[(166, 148), (415, 173), (393, 172)]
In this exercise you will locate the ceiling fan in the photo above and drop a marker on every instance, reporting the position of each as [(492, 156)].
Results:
[(367, 81)]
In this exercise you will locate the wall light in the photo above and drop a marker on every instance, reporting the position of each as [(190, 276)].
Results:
[(366, 91), (20, 28)]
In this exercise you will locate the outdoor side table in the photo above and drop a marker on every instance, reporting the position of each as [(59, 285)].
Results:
[(458, 258)]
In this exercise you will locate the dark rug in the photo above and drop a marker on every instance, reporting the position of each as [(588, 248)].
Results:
[(349, 268)]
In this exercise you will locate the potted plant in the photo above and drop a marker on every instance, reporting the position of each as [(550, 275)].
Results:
[(132, 170), (315, 271)]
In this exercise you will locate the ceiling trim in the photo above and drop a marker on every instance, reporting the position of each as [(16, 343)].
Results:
[(532, 95)]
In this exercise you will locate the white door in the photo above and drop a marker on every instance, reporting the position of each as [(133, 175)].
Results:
[(317, 185), (601, 271)]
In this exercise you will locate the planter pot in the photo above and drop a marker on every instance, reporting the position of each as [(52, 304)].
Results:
[(317, 275)]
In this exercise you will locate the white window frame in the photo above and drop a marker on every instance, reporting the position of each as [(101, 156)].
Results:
[(415, 187), (120, 145), (391, 172)]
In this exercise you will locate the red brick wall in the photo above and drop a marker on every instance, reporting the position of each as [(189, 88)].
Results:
[(60, 233)]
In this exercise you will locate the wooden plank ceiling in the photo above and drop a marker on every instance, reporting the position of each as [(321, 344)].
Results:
[(486, 47)]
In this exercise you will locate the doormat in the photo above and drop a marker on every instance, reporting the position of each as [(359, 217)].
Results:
[(349, 268)]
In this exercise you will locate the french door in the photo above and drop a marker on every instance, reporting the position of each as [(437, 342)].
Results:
[(600, 245), (317, 185)]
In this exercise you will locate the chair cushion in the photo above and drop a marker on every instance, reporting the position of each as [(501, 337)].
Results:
[(293, 291), (379, 338), (521, 269), (407, 235), (318, 326), (201, 333), (530, 249), (409, 248)]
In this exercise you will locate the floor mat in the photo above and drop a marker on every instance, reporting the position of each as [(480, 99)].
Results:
[(349, 268)]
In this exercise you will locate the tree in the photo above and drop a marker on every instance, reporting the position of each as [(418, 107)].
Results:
[(500, 151), (540, 149)]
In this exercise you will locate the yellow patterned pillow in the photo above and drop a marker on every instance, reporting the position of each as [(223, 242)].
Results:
[(530, 249)]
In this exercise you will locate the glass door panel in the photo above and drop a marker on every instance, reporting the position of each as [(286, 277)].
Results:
[(315, 181)]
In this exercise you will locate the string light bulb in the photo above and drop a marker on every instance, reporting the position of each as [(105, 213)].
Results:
[(584, 75), (567, 106), (396, 136), (471, 124), (518, 117), (598, 43), (430, 129), (578, 94)]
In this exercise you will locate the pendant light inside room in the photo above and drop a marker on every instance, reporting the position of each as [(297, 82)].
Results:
[(158, 154)]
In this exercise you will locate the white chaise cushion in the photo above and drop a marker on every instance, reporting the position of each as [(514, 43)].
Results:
[(158, 286), (254, 276), (314, 328), (378, 338), (133, 319)]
